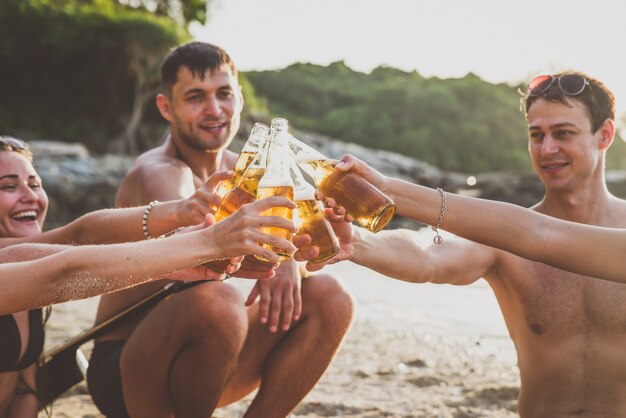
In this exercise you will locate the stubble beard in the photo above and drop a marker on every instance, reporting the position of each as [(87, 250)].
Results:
[(193, 141)]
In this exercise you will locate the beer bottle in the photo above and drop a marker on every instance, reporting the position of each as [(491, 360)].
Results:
[(254, 144), (310, 218), (370, 207), (276, 181), (244, 192)]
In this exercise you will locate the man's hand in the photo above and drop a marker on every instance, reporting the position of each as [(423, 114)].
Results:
[(205, 200), (281, 301)]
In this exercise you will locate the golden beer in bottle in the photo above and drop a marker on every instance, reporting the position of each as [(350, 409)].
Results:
[(267, 190), (276, 181), (246, 189), (254, 144), (244, 193), (310, 218), (370, 207)]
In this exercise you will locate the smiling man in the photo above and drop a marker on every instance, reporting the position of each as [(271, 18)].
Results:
[(202, 347), (569, 330)]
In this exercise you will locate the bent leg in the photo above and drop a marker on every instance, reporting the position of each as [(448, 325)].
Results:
[(179, 358), (287, 365)]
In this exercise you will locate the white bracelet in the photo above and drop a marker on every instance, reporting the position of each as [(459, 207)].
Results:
[(438, 239), (144, 219)]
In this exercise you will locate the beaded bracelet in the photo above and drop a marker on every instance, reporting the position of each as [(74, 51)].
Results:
[(144, 219)]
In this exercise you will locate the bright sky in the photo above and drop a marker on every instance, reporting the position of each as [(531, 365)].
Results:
[(499, 40)]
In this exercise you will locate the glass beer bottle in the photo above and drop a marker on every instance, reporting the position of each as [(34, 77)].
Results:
[(276, 181), (246, 190), (370, 207), (254, 144), (310, 218)]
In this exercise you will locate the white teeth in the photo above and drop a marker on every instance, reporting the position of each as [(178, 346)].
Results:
[(213, 126), (25, 214)]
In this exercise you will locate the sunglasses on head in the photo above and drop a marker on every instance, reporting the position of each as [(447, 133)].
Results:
[(570, 84), (13, 142)]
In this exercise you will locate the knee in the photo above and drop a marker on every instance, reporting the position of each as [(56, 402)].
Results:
[(329, 299), (215, 311)]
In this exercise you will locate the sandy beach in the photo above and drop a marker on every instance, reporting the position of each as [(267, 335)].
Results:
[(413, 351)]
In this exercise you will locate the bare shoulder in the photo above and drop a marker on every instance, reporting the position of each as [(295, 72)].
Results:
[(228, 160), (154, 175)]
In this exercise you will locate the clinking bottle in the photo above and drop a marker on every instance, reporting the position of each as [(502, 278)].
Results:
[(255, 143), (370, 207), (276, 181), (310, 218), (246, 190)]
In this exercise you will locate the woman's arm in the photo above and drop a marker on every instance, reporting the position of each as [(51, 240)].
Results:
[(85, 271), (123, 225), (583, 249)]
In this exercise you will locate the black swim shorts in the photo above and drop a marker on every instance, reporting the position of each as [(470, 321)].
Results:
[(104, 378)]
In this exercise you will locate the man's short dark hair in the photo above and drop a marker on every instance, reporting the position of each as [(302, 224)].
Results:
[(198, 57), (598, 100)]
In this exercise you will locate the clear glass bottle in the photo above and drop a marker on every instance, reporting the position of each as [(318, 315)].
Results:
[(255, 143), (246, 190), (370, 207), (276, 181), (310, 218)]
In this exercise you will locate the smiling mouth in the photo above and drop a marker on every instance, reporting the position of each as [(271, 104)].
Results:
[(553, 166), (25, 216), (213, 126)]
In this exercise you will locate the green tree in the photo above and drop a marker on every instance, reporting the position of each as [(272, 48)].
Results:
[(182, 11)]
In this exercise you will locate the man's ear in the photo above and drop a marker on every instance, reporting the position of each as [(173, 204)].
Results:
[(607, 132), (163, 103)]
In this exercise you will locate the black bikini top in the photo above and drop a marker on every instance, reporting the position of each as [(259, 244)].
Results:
[(11, 345)]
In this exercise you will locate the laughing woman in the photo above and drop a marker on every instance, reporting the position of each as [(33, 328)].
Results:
[(33, 275)]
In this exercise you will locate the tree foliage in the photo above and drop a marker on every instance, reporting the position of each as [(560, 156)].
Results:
[(464, 124), (182, 11), (75, 69)]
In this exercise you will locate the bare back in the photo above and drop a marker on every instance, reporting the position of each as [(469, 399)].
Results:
[(156, 175), (569, 331)]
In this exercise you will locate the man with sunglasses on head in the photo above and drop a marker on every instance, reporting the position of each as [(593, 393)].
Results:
[(569, 330)]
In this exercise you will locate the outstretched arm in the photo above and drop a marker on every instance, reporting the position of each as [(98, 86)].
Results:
[(583, 249), (60, 274), (398, 254), (123, 225)]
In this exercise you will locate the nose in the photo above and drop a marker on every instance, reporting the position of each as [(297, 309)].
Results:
[(212, 106), (549, 145), (28, 194)]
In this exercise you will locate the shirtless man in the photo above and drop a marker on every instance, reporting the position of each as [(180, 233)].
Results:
[(203, 348), (569, 330)]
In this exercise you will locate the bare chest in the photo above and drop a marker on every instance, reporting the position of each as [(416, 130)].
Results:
[(548, 300)]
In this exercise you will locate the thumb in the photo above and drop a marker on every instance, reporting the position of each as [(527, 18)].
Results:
[(209, 220)]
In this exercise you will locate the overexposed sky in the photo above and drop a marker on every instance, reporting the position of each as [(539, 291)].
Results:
[(499, 40)]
